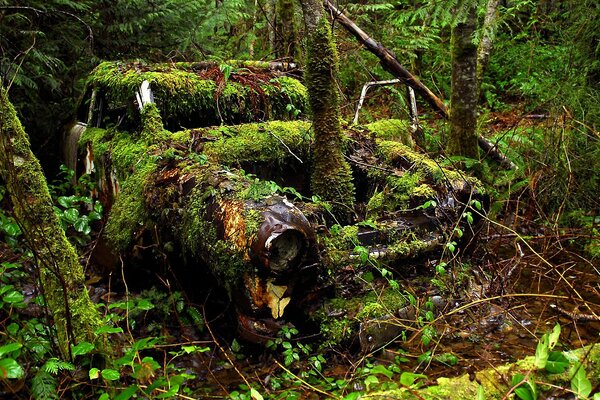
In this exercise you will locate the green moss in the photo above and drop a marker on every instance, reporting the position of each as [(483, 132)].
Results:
[(198, 234), (127, 155), (392, 129), (375, 205), (183, 95), (264, 142), (399, 193), (253, 219), (97, 138), (129, 213), (397, 153), (75, 317), (354, 311), (152, 124), (347, 237)]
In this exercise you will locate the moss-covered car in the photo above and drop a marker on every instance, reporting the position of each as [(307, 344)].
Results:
[(209, 165)]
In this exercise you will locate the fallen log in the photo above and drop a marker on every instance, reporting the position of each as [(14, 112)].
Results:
[(391, 64)]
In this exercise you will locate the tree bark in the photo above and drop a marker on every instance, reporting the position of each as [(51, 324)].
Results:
[(60, 273), (487, 41), (331, 177), (465, 91), (285, 32)]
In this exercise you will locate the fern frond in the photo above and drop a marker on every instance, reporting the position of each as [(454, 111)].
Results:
[(43, 386), (53, 365)]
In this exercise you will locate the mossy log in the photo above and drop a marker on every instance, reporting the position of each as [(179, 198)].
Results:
[(493, 383), (192, 94)]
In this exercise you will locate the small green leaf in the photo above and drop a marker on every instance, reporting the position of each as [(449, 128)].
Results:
[(480, 393), (71, 215), (554, 336), (541, 352), (580, 384), (13, 297), (524, 389), (82, 348), (255, 395), (557, 362), (10, 369), (110, 374), (65, 201), (380, 369), (127, 393), (81, 225), (9, 348), (94, 373), (108, 329), (12, 229), (104, 396), (371, 380), (410, 379), (145, 305), (356, 395)]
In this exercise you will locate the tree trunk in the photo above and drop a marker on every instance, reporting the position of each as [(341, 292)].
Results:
[(61, 275), (331, 178), (487, 41), (465, 92), (285, 32)]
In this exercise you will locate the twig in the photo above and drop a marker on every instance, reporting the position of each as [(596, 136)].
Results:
[(286, 146)]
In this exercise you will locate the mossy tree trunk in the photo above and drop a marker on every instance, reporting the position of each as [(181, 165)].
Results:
[(331, 177), (463, 138), (61, 275), (284, 43)]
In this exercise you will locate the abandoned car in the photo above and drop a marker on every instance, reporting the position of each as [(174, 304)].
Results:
[(209, 165)]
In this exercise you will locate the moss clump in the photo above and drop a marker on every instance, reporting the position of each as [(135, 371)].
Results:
[(129, 213), (199, 236), (331, 177), (97, 138), (186, 96), (352, 312), (264, 142), (152, 124), (399, 154), (392, 129), (400, 193)]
